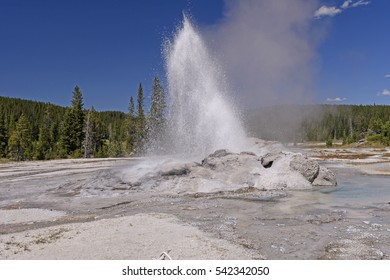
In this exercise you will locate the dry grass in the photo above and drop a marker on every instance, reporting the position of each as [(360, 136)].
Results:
[(4, 160), (340, 156), (52, 237)]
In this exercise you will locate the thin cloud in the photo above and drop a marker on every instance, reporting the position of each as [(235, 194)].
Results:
[(360, 3), (387, 76), (346, 4), (337, 99), (384, 92), (333, 10), (326, 11)]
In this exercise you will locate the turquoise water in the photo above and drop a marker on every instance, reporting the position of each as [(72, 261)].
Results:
[(358, 189), (356, 194)]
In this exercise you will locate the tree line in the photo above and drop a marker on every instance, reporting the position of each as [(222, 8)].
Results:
[(31, 130), (349, 123), (300, 123)]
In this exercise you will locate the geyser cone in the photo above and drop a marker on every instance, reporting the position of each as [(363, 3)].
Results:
[(201, 118)]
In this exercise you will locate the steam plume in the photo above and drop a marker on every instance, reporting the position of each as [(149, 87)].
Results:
[(266, 50)]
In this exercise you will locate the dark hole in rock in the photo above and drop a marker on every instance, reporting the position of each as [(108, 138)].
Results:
[(266, 163)]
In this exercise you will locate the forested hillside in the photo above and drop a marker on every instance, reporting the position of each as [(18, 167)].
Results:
[(36, 130), (350, 123), (298, 123)]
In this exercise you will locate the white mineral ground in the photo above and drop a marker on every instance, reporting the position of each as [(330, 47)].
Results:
[(228, 207)]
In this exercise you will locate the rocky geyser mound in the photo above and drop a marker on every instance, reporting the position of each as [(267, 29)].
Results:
[(228, 171)]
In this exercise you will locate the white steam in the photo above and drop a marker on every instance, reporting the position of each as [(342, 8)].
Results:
[(267, 50)]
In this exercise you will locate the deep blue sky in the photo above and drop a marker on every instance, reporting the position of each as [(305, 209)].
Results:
[(108, 47), (355, 54)]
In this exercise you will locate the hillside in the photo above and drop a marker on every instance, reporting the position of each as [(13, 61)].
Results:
[(44, 123), (110, 124), (299, 123)]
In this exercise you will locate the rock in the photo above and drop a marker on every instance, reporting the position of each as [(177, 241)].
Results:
[(325, 177), (248, 153), (376, 226), (222, 160), (307, 167), (175, 169), (211, 160), (227, 171), (219, 153)]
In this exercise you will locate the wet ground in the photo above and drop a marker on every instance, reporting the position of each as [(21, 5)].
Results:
[(351, 221)]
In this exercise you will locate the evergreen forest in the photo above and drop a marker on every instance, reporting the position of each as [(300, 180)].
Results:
[(302, 123), (31, 130)]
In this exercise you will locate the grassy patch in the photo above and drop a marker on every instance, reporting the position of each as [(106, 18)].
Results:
[(4, 160), (52, 237), (353, 156)]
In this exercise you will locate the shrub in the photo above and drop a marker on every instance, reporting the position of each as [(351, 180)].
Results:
[(374, 138)]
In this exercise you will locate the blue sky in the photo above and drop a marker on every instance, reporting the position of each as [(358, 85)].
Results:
[(108, 47), (355, 57)]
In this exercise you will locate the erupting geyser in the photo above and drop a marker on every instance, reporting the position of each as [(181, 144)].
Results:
[(202, 119), (206, 141)]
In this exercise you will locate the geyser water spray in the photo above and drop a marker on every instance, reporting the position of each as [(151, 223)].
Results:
[(201, 117)]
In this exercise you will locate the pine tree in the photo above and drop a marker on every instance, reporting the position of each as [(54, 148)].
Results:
[(376, 126), (3, 138), (131, 107), (44, 145), (140, 133), (386, 133), (345, 138), (20, 141), (130, 127), (156, 119), (90, 134), (329, 142), (72, 135), (77, 107), (115, 147), (140, 103)]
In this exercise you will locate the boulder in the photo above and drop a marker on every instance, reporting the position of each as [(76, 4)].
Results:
[(219, 153), (175, 169), (325, 178), (307, 167), (215, 158)]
